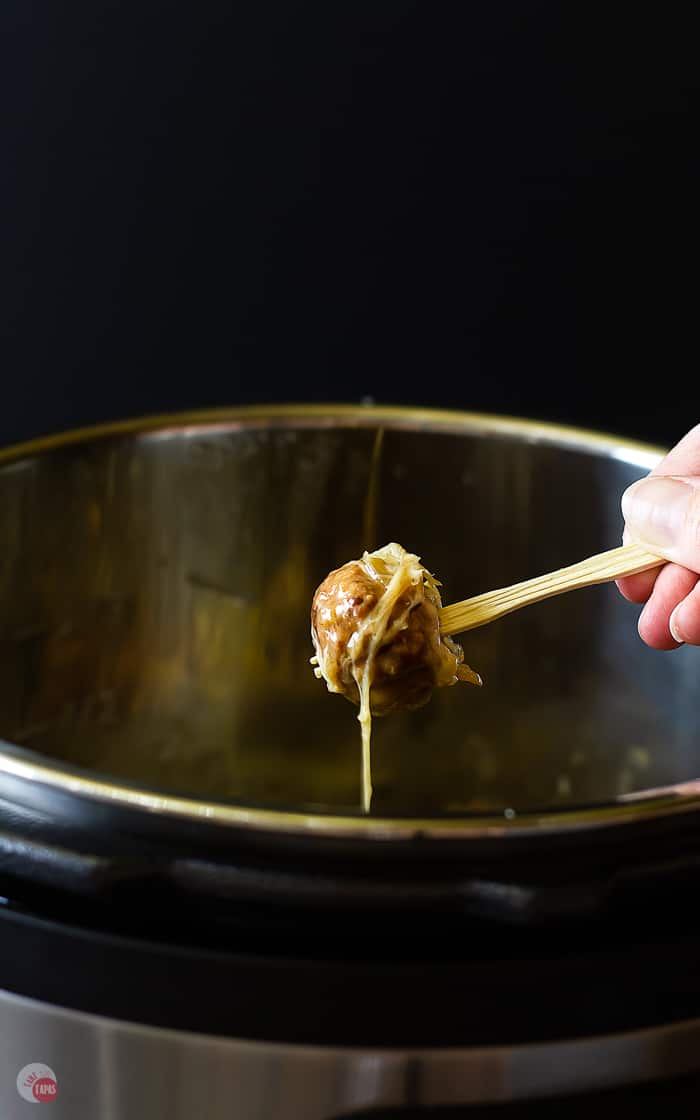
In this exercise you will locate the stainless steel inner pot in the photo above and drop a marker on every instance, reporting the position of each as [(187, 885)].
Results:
[(155, 585)]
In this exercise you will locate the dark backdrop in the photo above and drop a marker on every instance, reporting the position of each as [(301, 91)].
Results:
[(490, 206)]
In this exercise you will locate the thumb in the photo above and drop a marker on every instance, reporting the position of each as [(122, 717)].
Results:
[(662, 512)]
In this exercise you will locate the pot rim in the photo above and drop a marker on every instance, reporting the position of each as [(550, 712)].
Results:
[(29, 766)]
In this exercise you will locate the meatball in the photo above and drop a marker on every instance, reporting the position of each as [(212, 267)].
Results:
[(375, 626), (377, 618)]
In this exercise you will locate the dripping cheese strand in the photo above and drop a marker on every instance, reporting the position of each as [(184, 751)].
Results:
[(376, 625)]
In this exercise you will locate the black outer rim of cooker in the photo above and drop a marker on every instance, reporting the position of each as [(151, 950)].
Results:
[(428, 1001), (109, 851), (237, 932), (193, 926)]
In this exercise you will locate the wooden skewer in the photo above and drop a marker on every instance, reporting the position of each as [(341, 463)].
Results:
[(615, 564)]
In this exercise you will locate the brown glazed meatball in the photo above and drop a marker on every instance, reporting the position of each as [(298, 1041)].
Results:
[(380, 614)]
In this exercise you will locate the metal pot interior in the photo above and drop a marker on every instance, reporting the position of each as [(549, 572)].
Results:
[(155, 585)]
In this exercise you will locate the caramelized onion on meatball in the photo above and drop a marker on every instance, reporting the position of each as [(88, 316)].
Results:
[(375, 627)]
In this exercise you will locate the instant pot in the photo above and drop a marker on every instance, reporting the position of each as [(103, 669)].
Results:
[(197, 919)]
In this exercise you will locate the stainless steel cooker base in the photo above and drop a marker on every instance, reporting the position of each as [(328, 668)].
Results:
[(111, 1070)]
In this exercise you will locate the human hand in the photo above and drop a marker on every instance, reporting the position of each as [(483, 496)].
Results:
[(662, 512)]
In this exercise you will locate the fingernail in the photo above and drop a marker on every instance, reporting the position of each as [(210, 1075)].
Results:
[(655, 510), (674, 625)]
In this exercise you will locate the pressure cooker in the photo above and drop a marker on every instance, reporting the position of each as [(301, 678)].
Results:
[(197, 918)]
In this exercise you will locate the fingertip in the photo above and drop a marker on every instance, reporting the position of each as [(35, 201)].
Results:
[(638, 588), (671, 587), (654, 631), (675, 625), (684, 623)]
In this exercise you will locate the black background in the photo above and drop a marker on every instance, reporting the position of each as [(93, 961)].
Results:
[(488, 206)]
